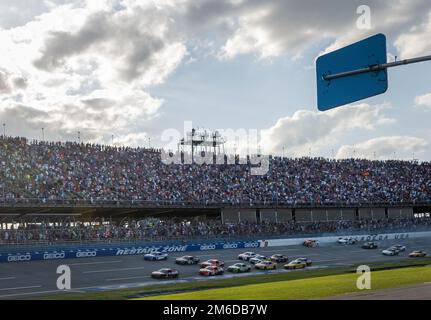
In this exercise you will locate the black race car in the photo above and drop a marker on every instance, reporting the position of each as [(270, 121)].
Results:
[(307, 261), (277, 258), (187, 260), (165, 273), (370, 245)]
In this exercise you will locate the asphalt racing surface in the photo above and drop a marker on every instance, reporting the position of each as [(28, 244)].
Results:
[(31, 279)]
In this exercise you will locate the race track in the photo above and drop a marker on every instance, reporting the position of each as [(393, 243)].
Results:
[(31, 279)]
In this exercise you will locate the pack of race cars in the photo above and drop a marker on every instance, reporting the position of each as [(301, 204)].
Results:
[(251, 260), (394, 250), (215, 267)]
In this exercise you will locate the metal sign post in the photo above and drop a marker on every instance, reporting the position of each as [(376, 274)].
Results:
[(355, 72), (378, 67)]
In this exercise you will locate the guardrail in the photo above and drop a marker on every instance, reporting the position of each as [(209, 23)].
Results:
[(207, 204), (157, 240), (70, 252), (59, 253)]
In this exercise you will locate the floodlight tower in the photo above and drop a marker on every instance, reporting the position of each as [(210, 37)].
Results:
[(202, 140)]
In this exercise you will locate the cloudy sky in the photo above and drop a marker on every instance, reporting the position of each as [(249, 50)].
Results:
[(134, 69)]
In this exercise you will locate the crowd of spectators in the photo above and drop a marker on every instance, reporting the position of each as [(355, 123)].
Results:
[(46, 171), (176, 229)]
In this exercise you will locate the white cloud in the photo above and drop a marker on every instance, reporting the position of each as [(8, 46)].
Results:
[(383, 148), (415, 42), (133, 140), (272, 28), (424, 100), (87, 66), (309, 129)]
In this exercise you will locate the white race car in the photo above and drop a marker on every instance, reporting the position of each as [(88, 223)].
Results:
[(246, 256), (399, 247), (347, 240), (390, 252), (257, 258), (156, 256), (239, 267)]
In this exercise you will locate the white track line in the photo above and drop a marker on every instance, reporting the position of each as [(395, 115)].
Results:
[(20, 288), (111, 270), (285, 250), (90, 263), (209, 255), (129, 278), (8, 278), (38, 292), (328, 260)]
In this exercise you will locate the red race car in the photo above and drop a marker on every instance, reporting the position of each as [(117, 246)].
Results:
[(310, 243), (212, 262), (211, 271)]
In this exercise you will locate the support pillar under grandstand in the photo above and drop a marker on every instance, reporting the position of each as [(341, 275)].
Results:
[(248, 215), (396, 213), (303, 215), (268, 215), (284, 215), (238, 215), (348, 214)]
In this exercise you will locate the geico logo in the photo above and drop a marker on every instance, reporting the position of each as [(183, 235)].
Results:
[(19, 257), (49, 256), (208, 247), (251, 245), (86, 254), (230, 246)]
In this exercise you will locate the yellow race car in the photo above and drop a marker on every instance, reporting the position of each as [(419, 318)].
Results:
[(295, 264), (266, 265), (417, 254)]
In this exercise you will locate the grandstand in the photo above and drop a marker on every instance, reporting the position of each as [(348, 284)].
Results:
[(64, 182)]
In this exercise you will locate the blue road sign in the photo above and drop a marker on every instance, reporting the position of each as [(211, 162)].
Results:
[(347, 89)]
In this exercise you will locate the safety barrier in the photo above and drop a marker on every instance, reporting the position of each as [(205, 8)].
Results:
[(57, 253), (333, 239), (119, 250)]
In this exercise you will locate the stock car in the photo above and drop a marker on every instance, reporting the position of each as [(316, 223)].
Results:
[(295, 264), (211, 271), (266, 265), (347, 241), (418, 254), (246, 256), (257, 258), (369, 245), (390, 252), (307, 261), (399, 247), (156, 256), (212, 263), (310, 243), (277, 258), (165, 273), (187, 260), (239, 268)]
